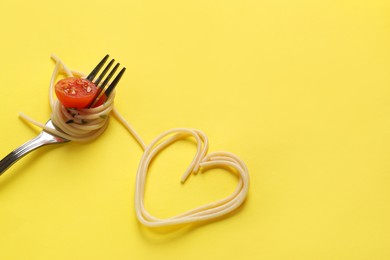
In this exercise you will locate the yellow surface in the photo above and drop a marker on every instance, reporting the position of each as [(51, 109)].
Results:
[(300, 90)]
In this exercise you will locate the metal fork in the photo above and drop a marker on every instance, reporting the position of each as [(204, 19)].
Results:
[(45, 138)]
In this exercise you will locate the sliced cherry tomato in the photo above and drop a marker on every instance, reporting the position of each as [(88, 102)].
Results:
[(75, 92)]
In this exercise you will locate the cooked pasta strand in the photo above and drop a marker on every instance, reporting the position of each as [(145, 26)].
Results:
[(88, 124)]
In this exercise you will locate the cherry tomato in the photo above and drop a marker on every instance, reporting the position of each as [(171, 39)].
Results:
[(75, 92)]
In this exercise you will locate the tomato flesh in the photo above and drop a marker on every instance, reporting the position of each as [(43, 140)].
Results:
[(75, 92)]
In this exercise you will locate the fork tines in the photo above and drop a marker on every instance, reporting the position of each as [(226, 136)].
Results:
[(102, 87)]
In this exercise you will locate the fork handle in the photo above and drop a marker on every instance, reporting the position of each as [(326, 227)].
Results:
[(19, 152)]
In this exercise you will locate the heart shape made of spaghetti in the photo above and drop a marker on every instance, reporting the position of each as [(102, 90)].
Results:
[(209, 211)]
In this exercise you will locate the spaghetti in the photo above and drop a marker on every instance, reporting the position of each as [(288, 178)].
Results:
[(87, 124)]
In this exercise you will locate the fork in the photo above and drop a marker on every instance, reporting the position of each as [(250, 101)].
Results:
[(46, 138)]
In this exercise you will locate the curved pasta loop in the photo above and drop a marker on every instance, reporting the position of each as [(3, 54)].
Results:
[(208, 211), (90, 123)]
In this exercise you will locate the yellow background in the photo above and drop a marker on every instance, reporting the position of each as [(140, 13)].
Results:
[(300, 90)]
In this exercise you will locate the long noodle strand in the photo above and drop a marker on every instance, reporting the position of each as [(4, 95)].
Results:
[(84, 125)]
